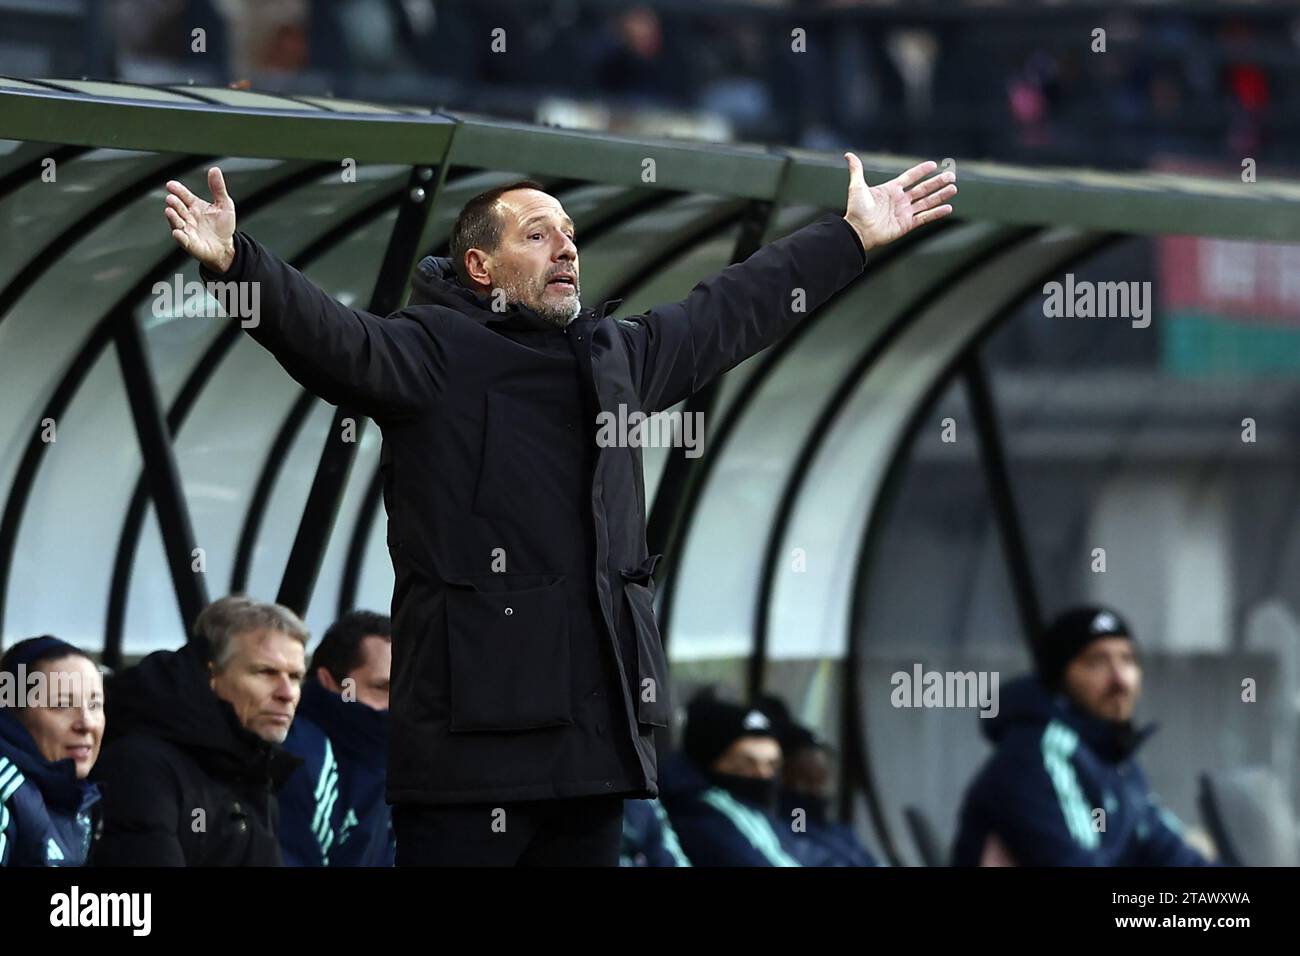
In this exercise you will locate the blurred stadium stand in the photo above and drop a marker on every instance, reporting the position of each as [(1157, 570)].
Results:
[(1014, 81)]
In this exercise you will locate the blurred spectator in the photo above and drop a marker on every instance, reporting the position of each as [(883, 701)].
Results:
[(193, 759), (1062, 787), (721, 791), (1017, 87), (632, 65), (50, 731), (154, 37), (648, 836), (806, 791), (269, 36), (332, 810)]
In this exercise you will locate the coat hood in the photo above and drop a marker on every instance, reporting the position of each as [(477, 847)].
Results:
[(1026, 703), (358, 732), (56, 780), (167, 695), (435, 282)]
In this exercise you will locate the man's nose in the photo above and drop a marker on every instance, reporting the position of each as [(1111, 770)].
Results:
[(568, 249)]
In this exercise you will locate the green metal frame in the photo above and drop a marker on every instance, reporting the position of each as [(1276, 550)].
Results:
[(1136, 203)]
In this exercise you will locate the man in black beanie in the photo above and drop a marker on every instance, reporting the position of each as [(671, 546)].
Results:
[(721, 790), (1089, 653), (1062, 787)]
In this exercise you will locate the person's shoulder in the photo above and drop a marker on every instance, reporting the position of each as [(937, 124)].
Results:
[(443, 324), (306, 740), (139, 752), (1017, 751), (436, 314)]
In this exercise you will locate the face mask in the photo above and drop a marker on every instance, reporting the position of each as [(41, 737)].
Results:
[(752, 790)]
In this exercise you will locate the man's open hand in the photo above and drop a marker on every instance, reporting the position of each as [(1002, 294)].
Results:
[(880, 214), (206, 230)]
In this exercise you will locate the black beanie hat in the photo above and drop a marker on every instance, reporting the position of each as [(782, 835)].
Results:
[(1070, 633), (35, 649), (713, 725), (792, 735)]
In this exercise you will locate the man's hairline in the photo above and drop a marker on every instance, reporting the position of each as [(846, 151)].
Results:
[(221, 668), (497, 211)]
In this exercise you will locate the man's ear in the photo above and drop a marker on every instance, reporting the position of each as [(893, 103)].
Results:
[(327, 680), (477, 268)]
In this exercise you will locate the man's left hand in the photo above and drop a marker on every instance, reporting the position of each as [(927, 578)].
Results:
[(880, 214)]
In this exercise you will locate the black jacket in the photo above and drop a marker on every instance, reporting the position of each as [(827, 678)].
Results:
[(184, 783), (542, 676)]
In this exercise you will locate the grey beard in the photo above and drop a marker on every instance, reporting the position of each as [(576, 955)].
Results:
[(557, 315), (560, 316)]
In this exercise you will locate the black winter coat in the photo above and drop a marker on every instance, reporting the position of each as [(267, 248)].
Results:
[(526, 658), (184, 783)]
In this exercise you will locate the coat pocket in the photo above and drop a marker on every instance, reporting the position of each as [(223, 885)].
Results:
[(508, 656), (653, 706)]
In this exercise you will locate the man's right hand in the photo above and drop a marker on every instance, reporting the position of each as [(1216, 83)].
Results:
[(206, 230)]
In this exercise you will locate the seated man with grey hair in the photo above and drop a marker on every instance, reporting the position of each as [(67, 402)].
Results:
[(190, 772)]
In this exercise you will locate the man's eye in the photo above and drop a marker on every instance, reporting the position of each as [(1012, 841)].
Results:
[(536, 235)]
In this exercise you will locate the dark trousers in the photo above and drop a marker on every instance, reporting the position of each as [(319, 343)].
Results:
[(580, 831)]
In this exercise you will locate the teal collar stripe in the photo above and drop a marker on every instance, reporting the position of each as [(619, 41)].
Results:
[(10, 779), (671, 843), (752, 825), (1059, 744)]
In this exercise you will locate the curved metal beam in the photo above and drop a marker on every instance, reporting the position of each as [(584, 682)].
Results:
[(121, 197), (858, 765), (830, 409), (769, 359), (99, 337)]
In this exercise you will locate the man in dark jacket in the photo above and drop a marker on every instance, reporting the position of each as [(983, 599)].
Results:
[(332, 810), (1063, 787), (528, 676), (194, 758)]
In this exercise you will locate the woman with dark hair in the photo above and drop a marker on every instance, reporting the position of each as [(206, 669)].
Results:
[(51, 725)]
